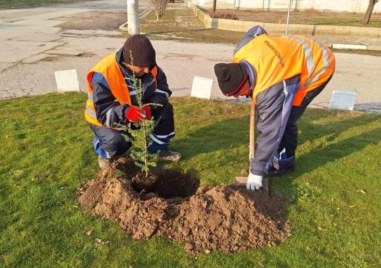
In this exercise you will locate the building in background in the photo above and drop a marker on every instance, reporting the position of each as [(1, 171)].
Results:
[(355, 6)]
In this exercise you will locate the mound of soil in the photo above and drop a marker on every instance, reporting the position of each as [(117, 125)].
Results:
[(227, 217)]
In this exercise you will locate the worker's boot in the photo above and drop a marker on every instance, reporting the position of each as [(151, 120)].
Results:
[(283, 166), (103, 162), (273, 172), (168, 155)]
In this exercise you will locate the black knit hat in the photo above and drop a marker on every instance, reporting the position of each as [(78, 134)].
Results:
[(143, 53), (231, 77)]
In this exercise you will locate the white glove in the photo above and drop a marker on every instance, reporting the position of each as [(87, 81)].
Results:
[(254, 182)]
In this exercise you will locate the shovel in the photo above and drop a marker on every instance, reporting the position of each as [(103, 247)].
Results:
[(243, 180)]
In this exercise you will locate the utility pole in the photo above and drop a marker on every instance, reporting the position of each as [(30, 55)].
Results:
[(133, 17)]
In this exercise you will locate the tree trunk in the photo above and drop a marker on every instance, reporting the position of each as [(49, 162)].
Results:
[(369, 11), (160, 7), (214, 7)]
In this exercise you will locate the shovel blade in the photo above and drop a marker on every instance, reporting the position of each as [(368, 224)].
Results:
[(241, 181)]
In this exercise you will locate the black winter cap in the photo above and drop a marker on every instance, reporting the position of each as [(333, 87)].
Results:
[(230, 77), (141, 49)]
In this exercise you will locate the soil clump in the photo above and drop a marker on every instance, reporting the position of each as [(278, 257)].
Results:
[(226, 217)]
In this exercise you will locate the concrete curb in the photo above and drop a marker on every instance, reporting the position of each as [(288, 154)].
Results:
[(309, 30)]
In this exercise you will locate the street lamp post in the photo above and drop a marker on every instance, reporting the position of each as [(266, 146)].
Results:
[(133, 17)]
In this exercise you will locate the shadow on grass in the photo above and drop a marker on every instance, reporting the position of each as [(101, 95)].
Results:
[(336, 150), (341, 149), (218, 136), (311, 131), (329, 150), (233, 133)]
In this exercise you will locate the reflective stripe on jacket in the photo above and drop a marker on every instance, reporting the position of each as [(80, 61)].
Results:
[(275, 59), (110, 70)]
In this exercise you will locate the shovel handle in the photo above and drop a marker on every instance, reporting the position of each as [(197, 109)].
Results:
[(240, 181), (252, 131)]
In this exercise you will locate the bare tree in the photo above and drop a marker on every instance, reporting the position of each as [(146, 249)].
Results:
[(160, 7), (214, 7), (369, 11)]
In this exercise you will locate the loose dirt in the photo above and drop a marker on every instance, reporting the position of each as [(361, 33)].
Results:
[(226, 217)]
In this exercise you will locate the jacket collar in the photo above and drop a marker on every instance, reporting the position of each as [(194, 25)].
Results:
[(250, 70), (119, 60)]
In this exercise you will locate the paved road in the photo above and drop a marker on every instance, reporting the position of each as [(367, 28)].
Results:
[(32, 47)]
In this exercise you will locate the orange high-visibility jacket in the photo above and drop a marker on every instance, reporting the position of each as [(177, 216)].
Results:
[(275, 59), (111, 71)]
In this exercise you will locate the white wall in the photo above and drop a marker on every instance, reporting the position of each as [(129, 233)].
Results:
[(359, 6)]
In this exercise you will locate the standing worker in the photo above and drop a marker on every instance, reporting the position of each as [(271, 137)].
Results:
[(282, 75), (112, 101)]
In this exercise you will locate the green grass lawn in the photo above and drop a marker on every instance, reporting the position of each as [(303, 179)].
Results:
[(46, 153)]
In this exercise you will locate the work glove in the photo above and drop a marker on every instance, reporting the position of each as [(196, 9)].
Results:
[(148, 112), (254, 182), (135, 114)]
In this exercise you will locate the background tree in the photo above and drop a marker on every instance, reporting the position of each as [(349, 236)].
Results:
[(160, 7), (214, 7), (369, 11)]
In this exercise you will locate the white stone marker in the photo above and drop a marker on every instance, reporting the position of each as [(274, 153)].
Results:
[(349, 46), (202, 87), (342, 100), (67, 80)]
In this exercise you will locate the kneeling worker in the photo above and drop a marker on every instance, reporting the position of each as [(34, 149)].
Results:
[(112, 101), (282, 75)]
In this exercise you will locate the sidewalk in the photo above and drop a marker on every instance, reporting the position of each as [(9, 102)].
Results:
[(33, 47), (338, 37)]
